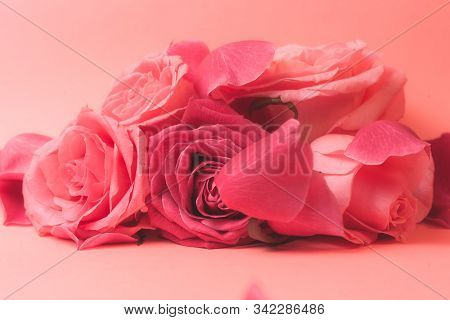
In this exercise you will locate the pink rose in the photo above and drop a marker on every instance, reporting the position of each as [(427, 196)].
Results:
[(155, 88), (86, 184), (15, 158), (377, 182), (340, 86), (201, 171), (440, 148)]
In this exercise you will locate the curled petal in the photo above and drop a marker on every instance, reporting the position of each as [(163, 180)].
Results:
[(15, 158)]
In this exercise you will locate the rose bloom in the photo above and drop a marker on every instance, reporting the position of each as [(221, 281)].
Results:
[(155, 87), (440, 149), (339, 86), (379, 181), (197, 176), (86, 185)]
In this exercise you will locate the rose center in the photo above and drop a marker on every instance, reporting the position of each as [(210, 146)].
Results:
[(206, 200), (73, 174), (401, 211)]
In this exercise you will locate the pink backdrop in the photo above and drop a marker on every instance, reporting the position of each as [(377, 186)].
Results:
[(43, 84)]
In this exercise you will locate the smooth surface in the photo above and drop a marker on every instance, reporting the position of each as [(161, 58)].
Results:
[(43, 84), (316, 268)]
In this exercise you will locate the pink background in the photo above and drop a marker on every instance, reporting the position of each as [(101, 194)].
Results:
[(43, 85)]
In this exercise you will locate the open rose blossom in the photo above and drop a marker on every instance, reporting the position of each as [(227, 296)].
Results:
[(15, 158), (377, 182), (152, 89), (85, 186), (337, 86), (440, 149), (216, 146)]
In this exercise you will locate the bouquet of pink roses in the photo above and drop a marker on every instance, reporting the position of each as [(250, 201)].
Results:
[(246, 143)]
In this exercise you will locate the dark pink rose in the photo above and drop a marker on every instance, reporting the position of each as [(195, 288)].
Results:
[(440, 148), (340, 86), (86, 184), (151, 90), (206, 175), (377, 182), (15, 158)]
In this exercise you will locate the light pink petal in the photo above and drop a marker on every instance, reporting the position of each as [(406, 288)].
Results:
[(269, 179), (341, 187), (378, 141), (329, 157), (440, 149), (234, 64), (331, 143), (334, 164), (383, 100)]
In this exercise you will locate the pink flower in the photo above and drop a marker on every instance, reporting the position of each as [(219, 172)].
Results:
[(199, 182), (440, 149), (377, 182), (15, 158), (340, 86), (86, 185), (155, 88)]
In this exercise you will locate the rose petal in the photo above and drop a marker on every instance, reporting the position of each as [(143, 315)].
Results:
[(384, 100), (234, 64), (246, 183), (106, 238), (320, 215), (378, 141), (15, 158), (194, 242), (11, 202), (205, 111), (191, 52), (329, 157)]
